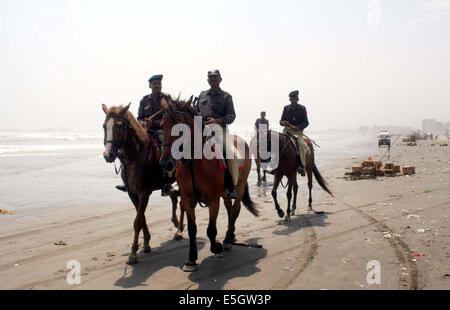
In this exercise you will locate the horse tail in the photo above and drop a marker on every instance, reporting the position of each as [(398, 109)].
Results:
[(248, 203), (321, 180)]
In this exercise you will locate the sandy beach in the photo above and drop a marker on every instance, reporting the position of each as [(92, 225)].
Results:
[(401, 222)]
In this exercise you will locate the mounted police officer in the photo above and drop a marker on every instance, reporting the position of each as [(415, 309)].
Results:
[(295, 120), (262, 121), (149, 106), (216, 107)]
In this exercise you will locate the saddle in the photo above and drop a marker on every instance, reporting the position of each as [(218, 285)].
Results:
[(294, 142)]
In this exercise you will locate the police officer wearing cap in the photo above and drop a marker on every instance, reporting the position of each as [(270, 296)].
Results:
[(149, 105), (216, 107), (295, 114)]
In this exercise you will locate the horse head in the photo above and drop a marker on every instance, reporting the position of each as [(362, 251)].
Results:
[(175, 113), (115, 126)]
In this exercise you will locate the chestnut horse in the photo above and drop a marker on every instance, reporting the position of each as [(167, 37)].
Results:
[(287, 166), (202, 181), (127, 140)]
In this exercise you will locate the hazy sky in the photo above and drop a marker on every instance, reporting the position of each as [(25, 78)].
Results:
[(354, 62)]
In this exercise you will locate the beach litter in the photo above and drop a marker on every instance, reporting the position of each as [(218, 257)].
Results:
[(60, 243), (412, 216), (421, 230), (7, 212)]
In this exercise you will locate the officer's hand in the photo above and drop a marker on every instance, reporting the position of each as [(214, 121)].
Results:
[(149, 122), (213, 121)]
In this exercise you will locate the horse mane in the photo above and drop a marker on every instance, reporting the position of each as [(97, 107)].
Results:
[(141, 133), (177, 105)]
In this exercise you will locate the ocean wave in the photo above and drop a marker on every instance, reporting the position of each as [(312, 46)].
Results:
[(19, 149), (70, 136)]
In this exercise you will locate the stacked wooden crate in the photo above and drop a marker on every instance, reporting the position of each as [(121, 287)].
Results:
[(372, 169)]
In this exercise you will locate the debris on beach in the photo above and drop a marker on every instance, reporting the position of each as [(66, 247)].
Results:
[(60, 243), (370, 169), (7, 212)]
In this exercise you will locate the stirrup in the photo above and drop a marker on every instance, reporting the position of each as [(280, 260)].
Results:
[(301, 170)]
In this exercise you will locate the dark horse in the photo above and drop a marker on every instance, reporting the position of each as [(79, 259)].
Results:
[(287, 166), (260, 163), (127, 139), (202, 181)]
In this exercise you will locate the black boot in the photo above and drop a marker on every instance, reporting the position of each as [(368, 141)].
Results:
[(301, 169), (122, 188), (232, 193), (166, 189)]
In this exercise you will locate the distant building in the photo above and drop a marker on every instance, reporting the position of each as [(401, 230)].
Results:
[(434, 127)]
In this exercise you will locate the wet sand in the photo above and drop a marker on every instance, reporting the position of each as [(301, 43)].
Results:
[(379, 219)]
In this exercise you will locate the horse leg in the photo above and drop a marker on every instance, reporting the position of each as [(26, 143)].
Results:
[(258, 171), (294, 202), (276, 182), (216, 247), (289, 197), (310, 184), (264, 179), (229, 237), (139, 223), (179, 225), (190, 265), (233, 214)]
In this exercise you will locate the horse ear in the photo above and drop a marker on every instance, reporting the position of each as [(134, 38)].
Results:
[(105, 108), (187, 103), (125, 109), (164, 104)]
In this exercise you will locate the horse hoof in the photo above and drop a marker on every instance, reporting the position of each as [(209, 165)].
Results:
[(178, 236), (147, 249), (132, 260), (189, 267), (280, 213), (216, 248), (258, 184), (292, 212), (227, 246), (287, 219)]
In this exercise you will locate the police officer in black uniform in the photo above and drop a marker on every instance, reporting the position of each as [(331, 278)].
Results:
[(216, 107), (295, 114), (149, 105)]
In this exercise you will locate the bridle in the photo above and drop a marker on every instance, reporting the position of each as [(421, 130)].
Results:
[(125, 125)]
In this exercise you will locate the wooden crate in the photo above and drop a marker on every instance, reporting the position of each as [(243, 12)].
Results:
[(389, 166), (388, 171), (396, 169), (368, 163), (368, 170), (357, 170), (408, 170)]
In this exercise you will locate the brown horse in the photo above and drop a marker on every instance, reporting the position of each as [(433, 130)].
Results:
[(202, 181), (127, 140), (288, 161)]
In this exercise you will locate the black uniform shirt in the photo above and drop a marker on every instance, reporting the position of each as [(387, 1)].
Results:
[(218, 105), (148, 107), (261, 121), (296, 116)]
